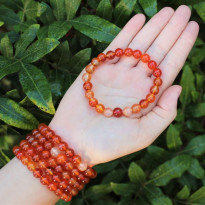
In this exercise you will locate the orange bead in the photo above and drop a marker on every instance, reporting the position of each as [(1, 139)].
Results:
[(63, 184), (42, 139), (136, 108), (16, 149), (137, 54), (158, 81), (45, 154), (74, 192), (81, 186), (69, 152), (34, 131), (59, 168), (127, 111), (45, 180), (56, 139), (110, 55), (89, 68), (66, 197), (57, 178), (30, 151), (52, 162), (100, 108), (95, 62), (30, 140), (157, 72), (86, 77), (150, 97), (49, 171), (34, 143), (128, 52), (58, 192), (65, 175), (144, 104), (42, 127), (36, 157), (87, 85), (61, 158), (49, 134), (75, 172), (90, 173), (68, 166), (63, 146), (37, 173), (52, 186), (145, 58), (93, 102), (108, 112), (89, 94), (39, 148), (119, 52), (20, 154), (86, 180), (101, 57), (76, 159), (24, 160), (72, 181), (154, 89), (42, 163), (48, 145), (152, 64)]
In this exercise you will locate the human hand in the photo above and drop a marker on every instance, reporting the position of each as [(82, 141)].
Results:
[(168, 38)]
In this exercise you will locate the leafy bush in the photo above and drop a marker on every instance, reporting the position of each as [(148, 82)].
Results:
[(45, 44)]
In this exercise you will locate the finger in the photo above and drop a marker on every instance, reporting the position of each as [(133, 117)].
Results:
[(129, 31), (168, 36), (149, 32), (161, 116), (175, 59)]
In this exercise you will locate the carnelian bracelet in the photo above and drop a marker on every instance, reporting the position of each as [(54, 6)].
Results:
[(56, 164), (127, 111)]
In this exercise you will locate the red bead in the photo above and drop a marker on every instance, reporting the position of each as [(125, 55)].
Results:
[(144, 104), (48, 145), (42, 163), (25, 146), (59, 168), (24, 160), (57, 178), (101, 57), (20, 154), (119, 52), (38, 135), (58, 192), (76, 185), (49, 134), (66, 197), (158, 81), (87, 85), (117, 112), (150, 97), (30, 151), (81, 186), (75, 172), (69, 152), (39, 148), (154, 89), (93, 102), (86, 180), (80, 177), (157, 72), (61, 158), (34, 131), (45, 154), (63, 184), (31, 166), (89, 94), (145, 58), (31, 139), (28, 136), (152, 64), (72, 180), (42, 139), (65, 175), (16, 149), (52, 162), (46, 179), (36, 157), (137, 54), (76, 159), (110, 55), (56, 139), (52, 186), (63, 146), (43, 128), (37, 173), (68, 166), (95, 62), (49, 171), (128, 52), (74, 192), (90, 173), (34, 143)]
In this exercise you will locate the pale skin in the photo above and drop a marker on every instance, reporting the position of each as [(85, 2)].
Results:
[(168, 38)]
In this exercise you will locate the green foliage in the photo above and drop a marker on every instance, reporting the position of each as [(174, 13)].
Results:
[(41, 54)]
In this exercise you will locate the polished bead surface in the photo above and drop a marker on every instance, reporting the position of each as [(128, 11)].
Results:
[(59, 168), (128, 52), (36, 157), (86, 77), (90, 68), (150, 97), (154, 89), (119, 52), (30, 151), (58, 192), (89, 94), (63, 146), (48, 145), (45, 154), (42, 163), (158, 81), (66, 175), (57, 178), (35, 143), (95, 62), (157, 72), (61, 158), (101, 57), (137, 54), (68, 166), (75, 172), (45, 179), (87, 85), (69, 152), (16, 149), (93, 102), (55, 151), (52, 161), (37, 173), (117, 112), (136, 108), (63, 184), (72, 181), (152, 64), (145, 58), (108, 112), (56, 139), (76, 159), (100, 108), (53, 186), (110, 55), (82, 166), (42, 139), (144, 104), (127, 111), (39, 148)]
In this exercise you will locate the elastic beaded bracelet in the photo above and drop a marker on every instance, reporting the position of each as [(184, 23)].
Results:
[(54, 162), (127, 111)]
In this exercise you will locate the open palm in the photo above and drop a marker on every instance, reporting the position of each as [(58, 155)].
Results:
[(168, 38)]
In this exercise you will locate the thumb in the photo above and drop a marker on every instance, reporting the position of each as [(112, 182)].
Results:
[(159, 118)]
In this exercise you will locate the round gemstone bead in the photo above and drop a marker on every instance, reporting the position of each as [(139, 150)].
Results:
[(49, 171), (46, 179), (42, 126), (34, 131), (110, 55), (86, 77), (42, 163), (45, 154), (100, 108), (127, 111), (75, 172), (137, 54), (144, 104), (101, 57), (42, 139), (37, 173), (72, 181), (81, 186), (76, 159), (55, 151), (39, 148), (24, 160), (117, 112), (20, 154), (56, 139), (63, 184), (108, 112), (16, 149), (119, 52), (74, 192), (87, 85), (145, 58), (53, 186), (65, 175), (86, 180), (63, 146), (36, 157), (89, 94), (69, 152), (93, 102), (136, 108), (90, 68), (68, 166), (49, 134), (25, 146), (66, 197), (59, 168), (28, 136), (48, 145), (61, 158), (80, 177), (34, 143), (157, 72), (30, 151), (152, 64), (82, 166), (31, 166), (31, 138), (52, 162), (154, 89), (57, 178), (150, 97), (23, 142), (128, 52), (158, 81), (95, 62), (90, 173), (58, 192)]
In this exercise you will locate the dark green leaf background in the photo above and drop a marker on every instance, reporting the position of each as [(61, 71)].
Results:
[(41, 54)]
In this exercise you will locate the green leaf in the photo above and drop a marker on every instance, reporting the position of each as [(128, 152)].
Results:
[(36, 87), (13, 94), (8, 16), (195, 169), (197, 110), (173, 138), (157, 153), (187, 83), (15, 115), (123, 11), (97, 191), (71, 7), (26, 38), (58, 29), (39, 49), (104, 10), (198, 196), (8, 66), (6, 47), (58, 9), (199, 81), (196, 146), (115, 175), (171, 169), (156, 196), (106, 167), (149, 6), (183, 193), (79, 60), (42, 32), (200, 9), (124, 189), (1, 23), (47, 17), (4, 156), (96, 28), (136, 174)]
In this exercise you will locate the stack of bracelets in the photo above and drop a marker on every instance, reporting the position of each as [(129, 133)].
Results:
[(56, 164)]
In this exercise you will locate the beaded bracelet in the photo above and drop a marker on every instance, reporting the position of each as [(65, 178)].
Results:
[(127, 111), (53, 162)]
